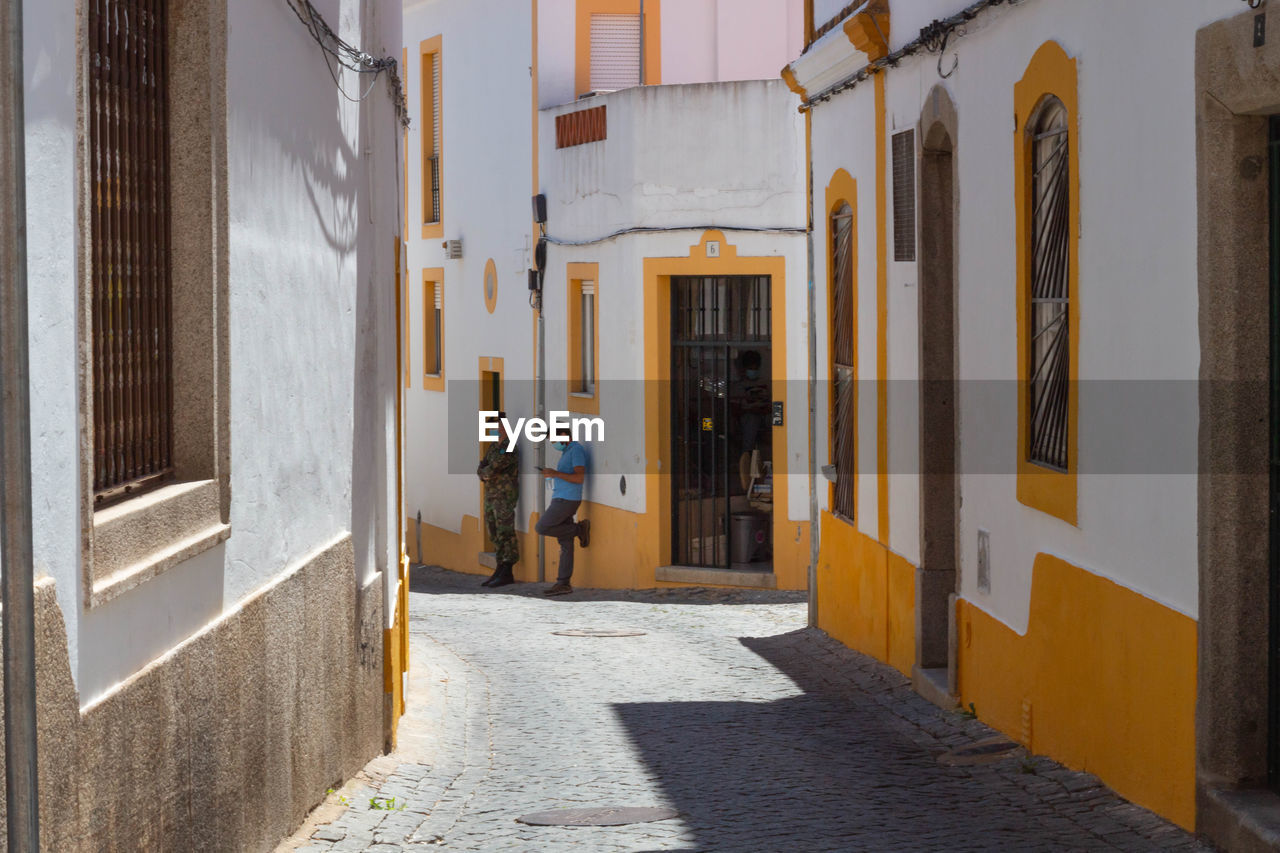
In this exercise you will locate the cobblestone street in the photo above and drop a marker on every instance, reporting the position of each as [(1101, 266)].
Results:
[(762, 734)]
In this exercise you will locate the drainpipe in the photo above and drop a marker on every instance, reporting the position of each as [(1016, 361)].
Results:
[(17, 589), (641, 42), (813, 392)]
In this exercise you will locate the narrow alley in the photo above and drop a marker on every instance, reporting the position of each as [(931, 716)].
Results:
[(760, 733)]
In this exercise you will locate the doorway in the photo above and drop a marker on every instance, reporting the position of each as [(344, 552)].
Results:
[(935, 670), (721, 404)]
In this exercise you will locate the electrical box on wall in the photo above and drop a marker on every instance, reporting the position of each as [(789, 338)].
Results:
[(453, 249)]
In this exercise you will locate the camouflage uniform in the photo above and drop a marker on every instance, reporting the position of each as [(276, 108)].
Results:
[(500, 472)]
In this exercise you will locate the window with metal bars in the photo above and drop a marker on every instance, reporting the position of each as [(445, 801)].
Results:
[(1049, 341), (587, 337), (431, 137), (130, 277), (904, 196), (843, 416)]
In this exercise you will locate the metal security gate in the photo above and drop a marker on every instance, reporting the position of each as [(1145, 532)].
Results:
[(716, 322)]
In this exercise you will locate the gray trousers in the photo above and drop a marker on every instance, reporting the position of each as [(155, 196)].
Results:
[(558, 521)]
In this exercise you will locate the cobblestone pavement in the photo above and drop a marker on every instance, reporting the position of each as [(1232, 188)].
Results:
[(762, 734)]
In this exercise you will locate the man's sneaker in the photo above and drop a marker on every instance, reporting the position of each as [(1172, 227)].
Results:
[(558, 589), (584, 532)]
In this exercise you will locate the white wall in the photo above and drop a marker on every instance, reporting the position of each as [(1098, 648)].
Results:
[(691, 156), (707, 41), (1138, 304), (313, 201), (487, 183)]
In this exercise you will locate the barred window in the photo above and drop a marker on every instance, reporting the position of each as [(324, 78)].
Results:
[(130, 265), (431, 138), (843, 416), (1050, 305)]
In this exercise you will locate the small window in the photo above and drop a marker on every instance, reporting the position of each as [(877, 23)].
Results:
[(431, 136), (1049, 340), (587, 352), (843, 353), (615, 52), (904, 196), (433, 329), (583, 323)]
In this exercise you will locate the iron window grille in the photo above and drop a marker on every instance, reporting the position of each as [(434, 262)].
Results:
[(130, 276), (842, 357), (588, 332), (1049, 341), (432, 141), (904, 196)]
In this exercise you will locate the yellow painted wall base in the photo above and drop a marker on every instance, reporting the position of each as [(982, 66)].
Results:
[(395, 650), (1103, 681), (624, 552), (866, 595)]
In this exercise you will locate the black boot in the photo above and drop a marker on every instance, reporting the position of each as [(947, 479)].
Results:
[(493, 577), (504, 575)]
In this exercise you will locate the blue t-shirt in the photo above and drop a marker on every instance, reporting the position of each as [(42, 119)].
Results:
[(573, 456)]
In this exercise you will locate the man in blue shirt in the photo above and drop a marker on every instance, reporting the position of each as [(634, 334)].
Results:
[(557, 521)]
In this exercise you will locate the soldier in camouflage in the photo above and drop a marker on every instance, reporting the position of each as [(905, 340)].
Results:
[(500, 472)]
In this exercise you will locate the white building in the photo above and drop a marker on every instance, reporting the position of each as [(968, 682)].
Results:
[(1037, 225), (213, 232), (693, 181)]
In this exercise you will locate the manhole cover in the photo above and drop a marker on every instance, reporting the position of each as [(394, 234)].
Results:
[(598, 816), (982, 752), (598, 632)]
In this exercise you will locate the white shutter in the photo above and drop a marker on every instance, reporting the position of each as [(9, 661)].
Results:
[(615, 52)]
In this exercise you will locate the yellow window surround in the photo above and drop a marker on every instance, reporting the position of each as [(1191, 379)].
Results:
[(431, 137), (433, 362), (582, 38), (1051, 72)]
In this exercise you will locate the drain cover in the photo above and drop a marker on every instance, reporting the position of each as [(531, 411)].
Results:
[(598, 816), (598, 632), (982, 752)]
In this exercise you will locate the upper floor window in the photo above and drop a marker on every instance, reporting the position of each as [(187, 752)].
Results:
[(431, 131), (615, 51), (843, 355), (1049, 342), (130, 278)]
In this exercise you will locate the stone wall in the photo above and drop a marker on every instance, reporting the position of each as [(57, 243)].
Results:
[(227, 741)]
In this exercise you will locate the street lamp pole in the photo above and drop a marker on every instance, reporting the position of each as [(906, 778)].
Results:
[(17, 590)]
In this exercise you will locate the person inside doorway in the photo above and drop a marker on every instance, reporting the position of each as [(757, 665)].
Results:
[(499, 471), (566, 495), (752, 398)]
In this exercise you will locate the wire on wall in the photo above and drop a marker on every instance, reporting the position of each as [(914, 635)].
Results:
[(933, 39), (351, 58)]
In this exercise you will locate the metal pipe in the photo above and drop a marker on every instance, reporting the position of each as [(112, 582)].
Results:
[(17, 588), (641, 42), (812, 316), (540, 392)]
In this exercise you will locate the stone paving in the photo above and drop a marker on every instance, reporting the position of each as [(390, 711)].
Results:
[(764, 735)]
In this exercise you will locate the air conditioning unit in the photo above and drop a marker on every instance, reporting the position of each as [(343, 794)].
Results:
[(453, 249)]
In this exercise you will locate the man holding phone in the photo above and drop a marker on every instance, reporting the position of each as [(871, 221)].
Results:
[(566, 495)]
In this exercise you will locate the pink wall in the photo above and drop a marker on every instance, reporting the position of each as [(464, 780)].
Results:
[(705, 41)]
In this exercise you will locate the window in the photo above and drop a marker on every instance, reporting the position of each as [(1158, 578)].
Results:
[(843, 414), (431, 137), (433, 329), (146, 251), (584, 337), (130, 269), (1047, 290), (1050, 301), (607, 45), (615, 52), (904, 196)]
